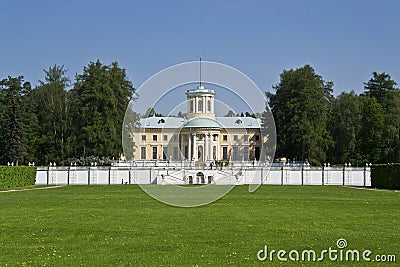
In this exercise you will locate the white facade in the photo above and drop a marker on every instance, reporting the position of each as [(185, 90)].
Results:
[(164, 173)]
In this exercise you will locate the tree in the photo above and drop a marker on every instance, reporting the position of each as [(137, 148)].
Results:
[(372, 124), (230, 114), (50, 106), (268, 133), (151, 112), (300, 106), (13, 128), (391, 131), (344, 128), (384, 90), (131, 127), (98, 102), (379, 86)]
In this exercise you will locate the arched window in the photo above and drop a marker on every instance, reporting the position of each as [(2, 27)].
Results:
[(209, 105), (200, 105)]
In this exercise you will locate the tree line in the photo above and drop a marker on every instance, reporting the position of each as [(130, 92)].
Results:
[(312, 125), (62, 121), (52, 123)]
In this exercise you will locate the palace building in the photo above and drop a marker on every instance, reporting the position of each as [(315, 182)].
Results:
[(200, 136)]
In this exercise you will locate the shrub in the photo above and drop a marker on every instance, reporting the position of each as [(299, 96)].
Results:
[(385, 176), (18, 176)]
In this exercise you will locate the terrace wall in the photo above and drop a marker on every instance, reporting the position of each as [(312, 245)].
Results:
[(174, 174)]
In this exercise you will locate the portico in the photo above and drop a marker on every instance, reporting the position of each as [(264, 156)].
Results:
[(199, 145)]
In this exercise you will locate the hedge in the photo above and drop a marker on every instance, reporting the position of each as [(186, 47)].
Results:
[(16, 176), (386, 176)]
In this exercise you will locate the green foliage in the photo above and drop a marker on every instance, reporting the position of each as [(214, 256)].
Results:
[(130, 127), (385, 120), (50, 106), (349, 128), (379, 85), (385, 176), (372, 124), (221, 163), (88, 161), (300, 106), (50, 123), (344, 126), (231, 114), (13, 129), (151, 112), (98, 102), (17, 176)]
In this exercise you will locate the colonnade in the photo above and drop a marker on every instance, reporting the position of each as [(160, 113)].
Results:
[(199, 150)]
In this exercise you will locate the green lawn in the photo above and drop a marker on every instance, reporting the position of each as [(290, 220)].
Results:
[(122, 226)]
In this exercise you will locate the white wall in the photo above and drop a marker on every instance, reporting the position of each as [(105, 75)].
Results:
[(236, 175)]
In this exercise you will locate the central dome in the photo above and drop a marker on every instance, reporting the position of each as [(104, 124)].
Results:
[(202, 123)]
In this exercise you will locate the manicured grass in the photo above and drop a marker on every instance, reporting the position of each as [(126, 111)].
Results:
[(122, 226)]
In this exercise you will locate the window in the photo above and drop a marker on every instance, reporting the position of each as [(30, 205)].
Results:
[(235, 137), (246, 138), (208, 105), (214, 152), (155, 137), (257, 152), (175, 137), (200, 105), (235, 154), (154, 152), (143, 152), (225, 153), (175, 153), (225, 137), (246, 153), (143, 137), (191, 106), (257, 137), (200, 153), (165, 137), (165, 153)]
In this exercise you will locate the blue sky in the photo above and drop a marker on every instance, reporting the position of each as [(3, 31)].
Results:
[(345, 41)]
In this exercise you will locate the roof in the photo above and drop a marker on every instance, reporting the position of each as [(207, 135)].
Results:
[(218, 122), (200, 91), (161, 122), (239, 122)]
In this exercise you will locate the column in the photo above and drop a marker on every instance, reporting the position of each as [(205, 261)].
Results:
[(182, 152), (194, 147), (189, 147), (211, 147), (205, 147), (218, 148)]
